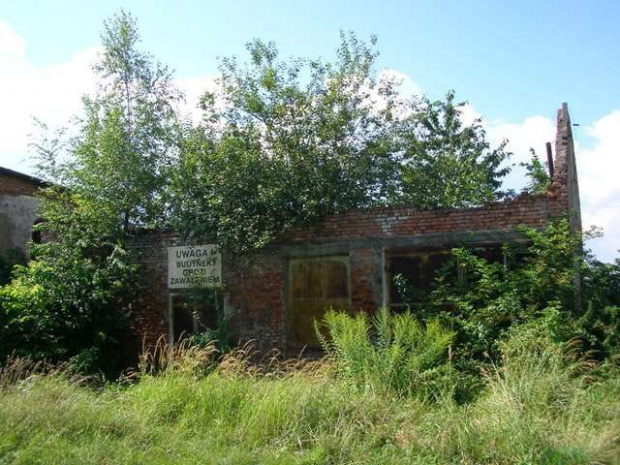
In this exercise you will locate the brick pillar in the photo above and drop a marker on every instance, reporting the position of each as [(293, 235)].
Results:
[(565, 176), (362, 280), (566, 186)]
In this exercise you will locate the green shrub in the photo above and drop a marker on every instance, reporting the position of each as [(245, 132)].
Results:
[(67, 305), (393, 352), (536, 281), (599, 327)]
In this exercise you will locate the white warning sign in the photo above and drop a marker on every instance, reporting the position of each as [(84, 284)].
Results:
[(194, 266)]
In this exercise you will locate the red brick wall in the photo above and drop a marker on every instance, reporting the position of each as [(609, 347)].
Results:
[(405, 221), (254, 292), (255, 298), (255, 284), (149, 310)]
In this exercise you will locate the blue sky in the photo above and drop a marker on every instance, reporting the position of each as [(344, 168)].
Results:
[(514, 61)]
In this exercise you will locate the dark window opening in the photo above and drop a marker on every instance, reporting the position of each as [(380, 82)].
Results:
[(193, 313), (490, 254), (36, 234), (516, 255), (411, 275)]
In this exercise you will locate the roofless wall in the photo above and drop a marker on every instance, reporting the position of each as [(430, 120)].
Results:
[(347, 261)]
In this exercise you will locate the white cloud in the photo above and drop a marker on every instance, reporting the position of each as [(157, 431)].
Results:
[(407, 86), (598, 169), (194, 88), (50, 93), (469, 114), (532, 132)]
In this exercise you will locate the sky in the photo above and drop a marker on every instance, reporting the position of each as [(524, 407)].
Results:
[(514, 62)]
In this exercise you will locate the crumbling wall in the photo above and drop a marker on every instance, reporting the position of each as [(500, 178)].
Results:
[(149, 311), (254, 295), (257, 286)]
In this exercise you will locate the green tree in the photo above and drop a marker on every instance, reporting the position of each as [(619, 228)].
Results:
[(445, 162), (294, 141), (119, 163), (288, 142), (70, 302)]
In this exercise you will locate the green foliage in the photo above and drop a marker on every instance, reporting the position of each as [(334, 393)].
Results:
[(220, 336), (538, 176), (395, 353), (70, 303), (288, 142), (447, 163), (599, 327), (484, 299), (130, 132), (117, 167), (602, 282), (296, 140)]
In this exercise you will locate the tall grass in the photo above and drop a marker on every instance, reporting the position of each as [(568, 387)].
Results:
[(542, 406)]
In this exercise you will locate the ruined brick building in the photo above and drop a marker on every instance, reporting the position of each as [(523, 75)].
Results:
[(347, 261)]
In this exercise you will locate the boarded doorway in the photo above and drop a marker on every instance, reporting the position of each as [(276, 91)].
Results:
[(315, 285)]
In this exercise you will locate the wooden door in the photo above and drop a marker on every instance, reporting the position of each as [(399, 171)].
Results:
[(315, 285)]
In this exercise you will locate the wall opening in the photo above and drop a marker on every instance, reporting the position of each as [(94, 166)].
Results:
[(411, 273), (315, 285), (36, 233), (193, 312)]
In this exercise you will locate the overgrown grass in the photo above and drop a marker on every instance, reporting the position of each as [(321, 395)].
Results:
[(542, 406)]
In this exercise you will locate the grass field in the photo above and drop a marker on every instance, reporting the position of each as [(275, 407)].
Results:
[(535, 409)]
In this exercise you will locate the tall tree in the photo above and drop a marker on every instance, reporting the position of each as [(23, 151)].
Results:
[(445, 162), (70, 302), (289, 141), (120, 161)]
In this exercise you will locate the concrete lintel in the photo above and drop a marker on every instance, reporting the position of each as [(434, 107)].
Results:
[(437, 240)]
